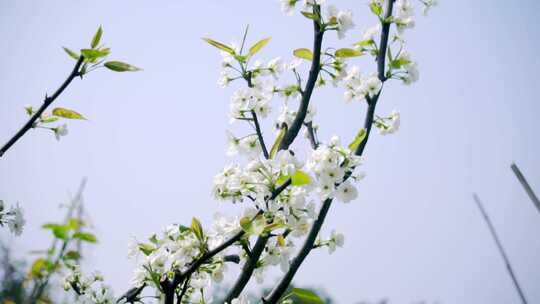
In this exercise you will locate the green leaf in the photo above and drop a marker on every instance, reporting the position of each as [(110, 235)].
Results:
[(300, 178), (197, 229), (85, 236), (61, 232), (305, 296), (92, 55), (220, 46), (67, 113), (376, 8), (71, 53), (119, 66), (310, 15), (72, 255), (97, 38), (277, 143), (282, 179), (358, 139), (154, 239), (274, 226), (146, 249), (49, 119), (398, 63), (303, 53), (258, 46), (37, 267), (364, 43), (346, 53), (245, 223)]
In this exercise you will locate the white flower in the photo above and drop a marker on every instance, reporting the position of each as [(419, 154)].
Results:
[(295, 64), (60, 131), (336, 240), (390, 124), (371, 32), (428, 4), (241, 300), (287, 6), (373, 85), (342, 19), (346, 192), (412, 73), (275, 67), (133, 248), (224, 80), (17, 221)]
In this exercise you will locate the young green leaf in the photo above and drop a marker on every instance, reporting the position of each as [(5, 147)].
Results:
[(346, 53), (220, 46), (196, 227), (71, 53), (358, 139), (92, 55), (97, 38), (277, 143), (258, 46), (306, 296), (245, 223), (303, 53), (72, 255), (398, 63), (309, 15), (300, 178), (85, 236), (146, 248), (376, 8), (67, 113), (119, 66)]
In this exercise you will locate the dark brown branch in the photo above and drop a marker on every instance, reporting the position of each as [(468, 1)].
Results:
[(276, 294), (247, 270), (526, 186), (259, 134), (46, 103), (501, 249), (296, 125)]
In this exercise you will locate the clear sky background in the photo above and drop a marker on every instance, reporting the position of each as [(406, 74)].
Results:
[(155, 139)]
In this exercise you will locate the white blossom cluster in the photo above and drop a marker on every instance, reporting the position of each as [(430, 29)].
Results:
[(389, 124), (13, 218), (339, 20), (89, 288), (330, 163), (358, 86), (176, 248)]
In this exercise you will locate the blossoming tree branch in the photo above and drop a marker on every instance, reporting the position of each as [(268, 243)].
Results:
[(285, 185)]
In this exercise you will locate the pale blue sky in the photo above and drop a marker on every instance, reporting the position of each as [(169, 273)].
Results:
[(155, 139)]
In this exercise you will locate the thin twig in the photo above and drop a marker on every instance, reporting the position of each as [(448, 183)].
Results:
[(526, 186), (501, 248), (296, 125), (46, 103)]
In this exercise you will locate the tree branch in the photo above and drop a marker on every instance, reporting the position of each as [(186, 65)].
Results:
[(276, 294), (293, 130), (247, 270), (46, 103), (259, 134)]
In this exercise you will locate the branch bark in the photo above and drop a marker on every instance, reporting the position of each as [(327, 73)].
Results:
[(46, 103), (526, 186), (296, 125)]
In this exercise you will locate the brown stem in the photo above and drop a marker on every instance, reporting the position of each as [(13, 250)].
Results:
[(46, 103)]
